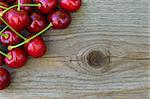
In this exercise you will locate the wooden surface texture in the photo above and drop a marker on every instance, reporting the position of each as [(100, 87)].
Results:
[(103, 54)]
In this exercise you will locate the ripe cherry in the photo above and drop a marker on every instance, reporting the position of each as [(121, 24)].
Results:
[(1, 9), (17, 58), (47, 6), (70, 5), (27, 8), (36, 47), (5, 78), (37, 24), (10, 39), (60, 19), (18, 20), (1, 59)]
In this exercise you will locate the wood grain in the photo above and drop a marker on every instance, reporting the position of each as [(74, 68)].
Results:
[(119, 29)]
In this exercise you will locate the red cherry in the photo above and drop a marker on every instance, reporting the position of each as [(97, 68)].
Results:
[(18, 58), (36, 47), (1, 59), (17, 19), (25, 7), (38, 23), (1, 9), (5, 78), (70, 5), (10, 39), (47, 6), (60, 19)]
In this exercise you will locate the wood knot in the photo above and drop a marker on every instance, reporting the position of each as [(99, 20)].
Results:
[(94, 59), (97, 59)]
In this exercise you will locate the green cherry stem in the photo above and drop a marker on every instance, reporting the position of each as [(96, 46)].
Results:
[(1, 14), (5, 35), (12, 29), (3, 7), (18, 5), (6, 55), (3, 29), (30, 5), (29, 39)]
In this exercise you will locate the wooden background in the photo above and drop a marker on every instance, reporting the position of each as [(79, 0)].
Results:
[(104, 54)]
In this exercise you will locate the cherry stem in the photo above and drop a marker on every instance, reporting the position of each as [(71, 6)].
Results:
[(18, 5), (30, 5), (3, 7), (13, 29), (5, 35), (3, 29), (7, 9), (6, 55), (29, 39)]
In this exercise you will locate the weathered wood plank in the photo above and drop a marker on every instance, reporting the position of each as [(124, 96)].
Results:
[(104, 54)]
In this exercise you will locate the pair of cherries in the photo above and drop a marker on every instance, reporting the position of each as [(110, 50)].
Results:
[(23, 22)]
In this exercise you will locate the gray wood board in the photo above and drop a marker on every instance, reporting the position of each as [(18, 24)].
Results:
[(103, 54)]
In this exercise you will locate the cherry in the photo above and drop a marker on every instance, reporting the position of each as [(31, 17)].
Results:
[(70, 5), (27, 8), (36, 47), (18, 20), (47, 6), (1, 60), (10, 39), (17, 58), (1, 9), (28, 39), (5, 78), (60, 19), (38, 23)]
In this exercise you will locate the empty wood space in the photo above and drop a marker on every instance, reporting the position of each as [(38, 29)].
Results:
[(104, 54)]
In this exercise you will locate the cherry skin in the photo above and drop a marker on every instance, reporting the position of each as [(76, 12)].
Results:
[(37, 23), (1, 59), (18, 58), (29, 9), (10, 39), (1, 9), (36, 47), (18, 20), (70, 5), (60, 19), (5, 78), (47, 6)]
